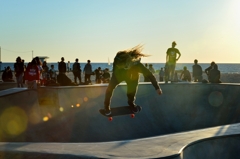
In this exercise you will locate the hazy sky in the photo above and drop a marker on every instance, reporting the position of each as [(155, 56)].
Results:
[(207, 30)]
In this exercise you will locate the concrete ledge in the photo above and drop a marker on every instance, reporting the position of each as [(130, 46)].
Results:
[(11, 91), (174, 146)]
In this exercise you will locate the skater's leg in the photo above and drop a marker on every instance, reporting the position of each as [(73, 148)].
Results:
[(109, 92)]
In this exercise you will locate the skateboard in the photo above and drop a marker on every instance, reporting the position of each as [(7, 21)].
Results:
[(119, 111)]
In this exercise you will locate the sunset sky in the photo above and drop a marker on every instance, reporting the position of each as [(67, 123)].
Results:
[(207, 30)]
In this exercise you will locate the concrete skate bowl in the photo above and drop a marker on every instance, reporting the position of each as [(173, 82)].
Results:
[(224, 147), (70, 114)]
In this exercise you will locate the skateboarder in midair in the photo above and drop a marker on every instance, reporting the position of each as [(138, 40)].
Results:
[(126, 67)]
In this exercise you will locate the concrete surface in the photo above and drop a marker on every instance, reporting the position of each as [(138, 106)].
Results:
[(64, 121)]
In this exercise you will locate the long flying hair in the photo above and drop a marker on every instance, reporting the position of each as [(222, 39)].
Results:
[(133, 54)]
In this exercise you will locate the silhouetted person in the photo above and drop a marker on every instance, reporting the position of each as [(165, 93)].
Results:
[(53, 74), (161, 74), (185, 75), (7, 75), (45, 73), (214, 75), (151, 69), (145, 78), (77, 71), (98, 73), (88, 72), (62, 66), (197, 72), (207, 70), (19, 71), (106, 76), (32, 74), (171, 59)]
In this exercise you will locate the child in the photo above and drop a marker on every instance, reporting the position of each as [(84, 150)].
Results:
[(126, 67)]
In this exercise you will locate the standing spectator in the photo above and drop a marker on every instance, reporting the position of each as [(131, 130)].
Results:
[(62, 78), (98, 73), (197, 71), (106, 76), (68, 66), (161, 75), (88, 72), (7, 75), (40, 69), (171, 59), (151, 69), (145, 78), (53, 74), (45, 74), (62, 66), (19, 70), (185, 76), (32, 74), (77, 71), (214, 74)]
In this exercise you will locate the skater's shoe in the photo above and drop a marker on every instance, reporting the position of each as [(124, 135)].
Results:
[(107, 112), (135, 109)]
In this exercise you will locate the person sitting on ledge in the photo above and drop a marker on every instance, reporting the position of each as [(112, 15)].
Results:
[(7, 75), (214, 75)]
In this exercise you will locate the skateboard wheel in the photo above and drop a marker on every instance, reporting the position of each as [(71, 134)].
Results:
[(110, 118), (132, 115)]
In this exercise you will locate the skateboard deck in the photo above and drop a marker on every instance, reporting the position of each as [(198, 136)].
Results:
[(119, 111)]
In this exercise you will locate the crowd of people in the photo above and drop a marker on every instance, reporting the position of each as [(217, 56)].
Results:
[(38, 73)]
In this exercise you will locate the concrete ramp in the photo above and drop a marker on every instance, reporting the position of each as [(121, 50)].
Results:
[(70, 114)]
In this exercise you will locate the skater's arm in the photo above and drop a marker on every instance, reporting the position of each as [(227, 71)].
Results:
[(151, 77)]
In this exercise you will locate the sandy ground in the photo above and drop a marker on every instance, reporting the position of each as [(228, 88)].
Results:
[(225, 77)]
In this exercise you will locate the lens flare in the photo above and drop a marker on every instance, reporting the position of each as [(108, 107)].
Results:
[(45, 118), (85, 99), (215, 98), (61, 109), (13, 121)]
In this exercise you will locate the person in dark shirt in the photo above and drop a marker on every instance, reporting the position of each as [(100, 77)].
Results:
[(98, 73), (207, 70), (106, 76), (77, 71), (126, 67), (62, 68), (197, 71), (171, 59), (7, 75), (19, 71), (185, 75), (214, 75), (88, 72)]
